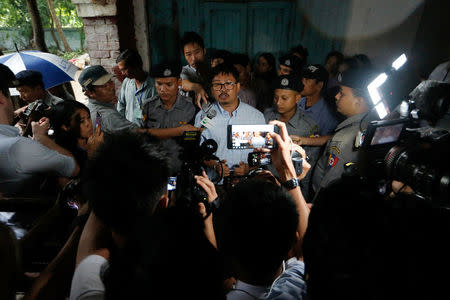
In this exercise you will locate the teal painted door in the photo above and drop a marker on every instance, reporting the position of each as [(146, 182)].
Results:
[(248, 27)]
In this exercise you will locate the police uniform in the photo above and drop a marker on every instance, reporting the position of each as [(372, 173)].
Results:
[(340, 149), (156, 116), (300, 124)]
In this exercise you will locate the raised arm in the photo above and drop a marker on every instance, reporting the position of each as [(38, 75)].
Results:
[(281, 159)]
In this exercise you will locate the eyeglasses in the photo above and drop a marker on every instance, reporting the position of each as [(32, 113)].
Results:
[(228, 85)]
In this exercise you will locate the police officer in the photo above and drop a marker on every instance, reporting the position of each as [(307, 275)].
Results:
[(354, 103), (286, 98), (289, 64), (169, 113)]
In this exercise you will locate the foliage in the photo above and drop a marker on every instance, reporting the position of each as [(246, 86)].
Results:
[(14, 14), (67, 55)]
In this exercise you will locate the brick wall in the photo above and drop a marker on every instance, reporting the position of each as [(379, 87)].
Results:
[(102, 41)]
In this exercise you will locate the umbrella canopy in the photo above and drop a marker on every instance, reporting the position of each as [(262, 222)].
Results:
[(55, 70)]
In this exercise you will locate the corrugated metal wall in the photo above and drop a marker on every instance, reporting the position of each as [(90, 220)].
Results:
[(248, 26)]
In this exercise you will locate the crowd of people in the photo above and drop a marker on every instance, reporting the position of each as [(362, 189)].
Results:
[(131, 238)]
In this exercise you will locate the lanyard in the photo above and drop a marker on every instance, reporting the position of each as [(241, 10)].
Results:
[(140, 96)]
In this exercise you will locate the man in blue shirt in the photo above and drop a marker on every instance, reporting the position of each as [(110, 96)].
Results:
[(230, 110), (136, 87), (313, 104)]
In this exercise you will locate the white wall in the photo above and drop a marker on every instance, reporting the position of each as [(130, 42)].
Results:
[(382, 29)]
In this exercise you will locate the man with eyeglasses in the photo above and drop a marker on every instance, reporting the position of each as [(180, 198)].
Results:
[(230, 110), (100, 89)]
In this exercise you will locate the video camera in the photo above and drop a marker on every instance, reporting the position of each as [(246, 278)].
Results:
[(188, 193), (404, 147)]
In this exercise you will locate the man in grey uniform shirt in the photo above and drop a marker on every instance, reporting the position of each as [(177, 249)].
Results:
[(98, 86), (353, 102), (298, 123), (169, 114), (24, 161)]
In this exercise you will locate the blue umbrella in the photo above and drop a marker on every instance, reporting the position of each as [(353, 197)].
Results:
[(55, 70)]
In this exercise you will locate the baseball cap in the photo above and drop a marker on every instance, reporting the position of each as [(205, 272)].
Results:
[(289, 82), (166, 69), (29, 77), (94, 75), (317, 72), (7, 77)]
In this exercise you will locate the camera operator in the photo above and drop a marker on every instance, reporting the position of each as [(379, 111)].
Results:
[(230, 110), (264, 225), (32, 91), (126, 183), (23, 160), (353, 101)]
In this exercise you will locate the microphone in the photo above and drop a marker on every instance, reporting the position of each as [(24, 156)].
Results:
[(207, 121)]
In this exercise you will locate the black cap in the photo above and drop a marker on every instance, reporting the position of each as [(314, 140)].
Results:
[(29, 77), (317, 72), (7, 77), (289, 82), (166, 69), (291, 61), (94, 75), (356, 78)]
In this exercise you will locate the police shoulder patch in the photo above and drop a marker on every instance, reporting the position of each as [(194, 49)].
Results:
[(332, 160)]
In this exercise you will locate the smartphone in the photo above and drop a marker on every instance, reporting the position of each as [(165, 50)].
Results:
[(251, 136), (98, 120), (256, 159), (172, 183)]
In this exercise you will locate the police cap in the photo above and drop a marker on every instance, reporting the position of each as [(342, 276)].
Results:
[(166, 69), (289, 82), (291, 61)]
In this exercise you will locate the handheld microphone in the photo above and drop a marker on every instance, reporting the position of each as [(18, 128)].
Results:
[(207, 121)]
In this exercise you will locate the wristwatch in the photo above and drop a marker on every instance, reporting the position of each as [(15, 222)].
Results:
[(291, 184)]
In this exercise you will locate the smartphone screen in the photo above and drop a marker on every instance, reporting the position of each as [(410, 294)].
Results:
[(250, 136), (98, 120), (172, 184)]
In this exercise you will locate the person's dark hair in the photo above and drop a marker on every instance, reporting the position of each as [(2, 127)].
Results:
[(224, 54), (191, 37), (339, 56), (126, 179), (240, 59), (131, 58), (351, 62), (225, 68), (272, 73), (359, 245), (260, 227), (63, 114), (300, 50), (363, 61), (148, 268)]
